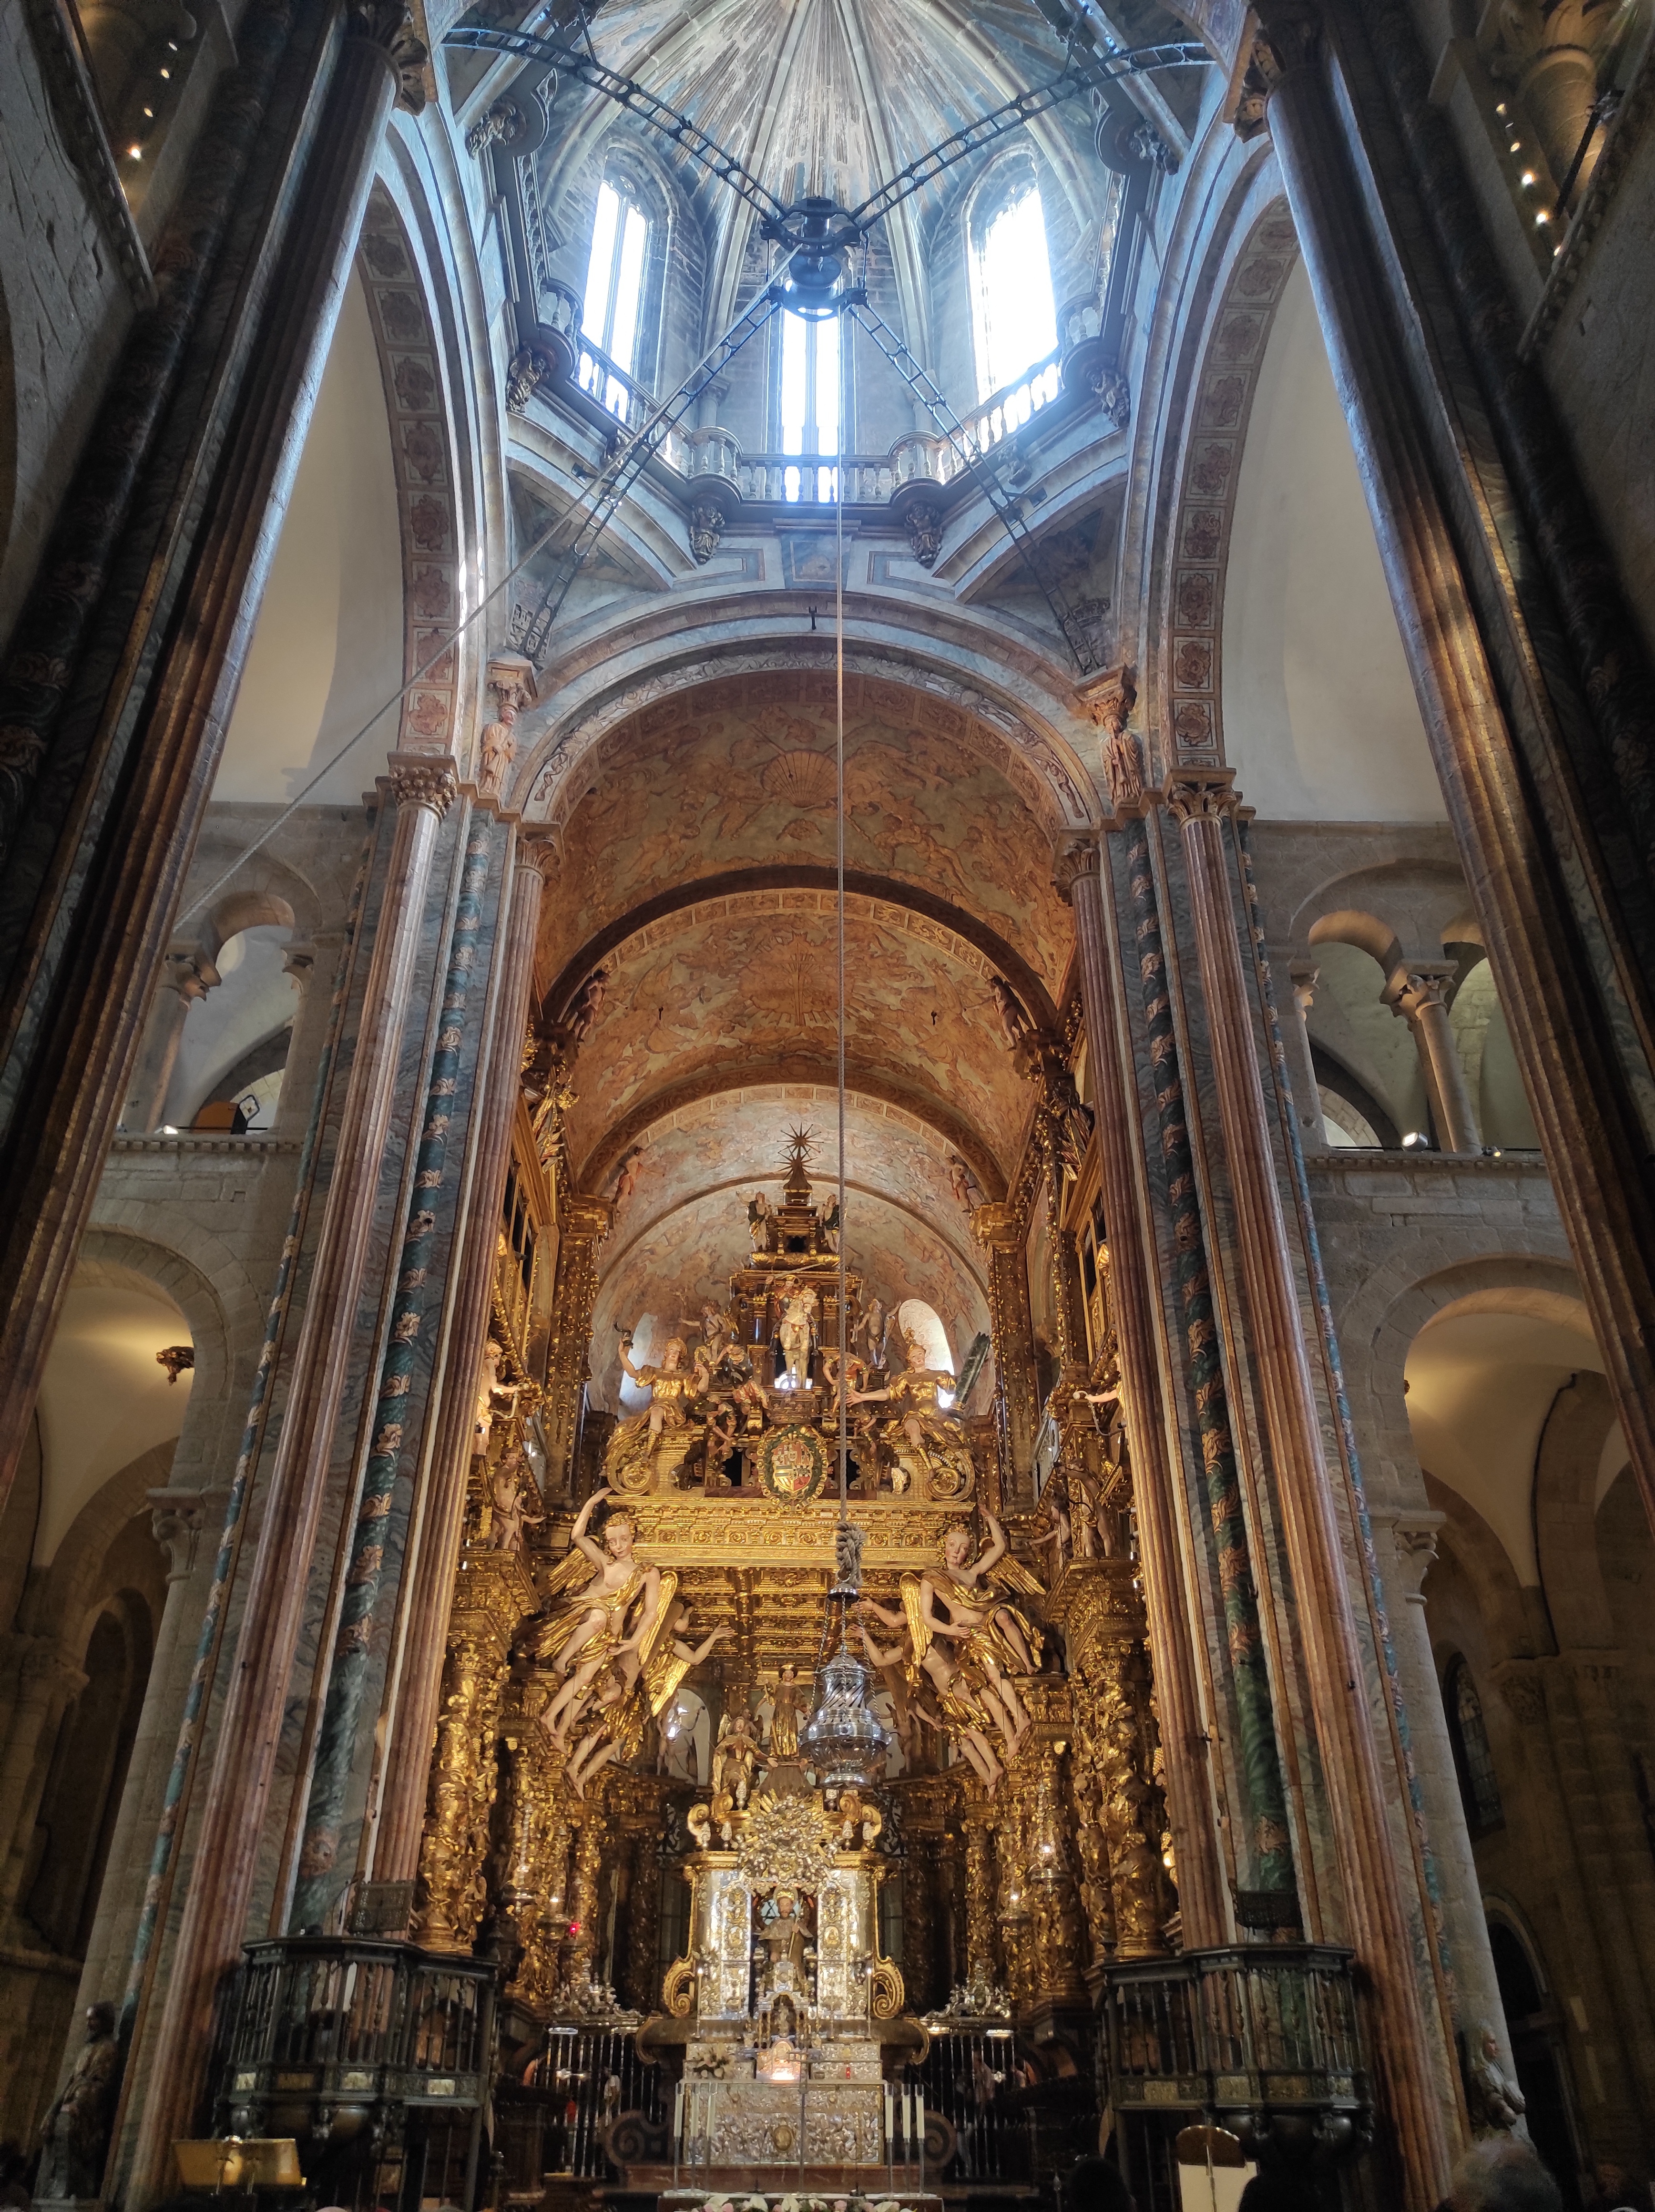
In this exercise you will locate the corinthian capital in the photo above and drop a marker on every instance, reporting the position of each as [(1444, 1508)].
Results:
[(1200, 795), (1413, 991), (424, 779), (388, 25), (1076, 857), (1289, 37)]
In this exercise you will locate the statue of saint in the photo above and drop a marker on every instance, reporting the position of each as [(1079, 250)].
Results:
[(671, 1386), (1496, 2103), (931, 1430), (508, 1520), (785, 1718), (761, 1223), (871, 1328), (734, 1756), (74, 2138), (796, 1334)]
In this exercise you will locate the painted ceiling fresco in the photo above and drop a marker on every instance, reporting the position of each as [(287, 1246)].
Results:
[(740, 774), (746, 983), (654, 1280), (736, 1139)]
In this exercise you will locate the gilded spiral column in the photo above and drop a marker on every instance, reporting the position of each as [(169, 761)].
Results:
[(582, 1226), (997, 1230), (982, 1950)]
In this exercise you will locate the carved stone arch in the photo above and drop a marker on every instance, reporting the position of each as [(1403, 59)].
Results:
[(208, 1283), (1034, 755), (1489, 1575), (1199, 493), (428, 511)]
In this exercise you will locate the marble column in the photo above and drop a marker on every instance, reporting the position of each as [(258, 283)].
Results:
[(229, 1836), (413, 1693), (997, 1230), (1191, 1813), (1412, 1549), (1511, 800), (1418, 995), (1412, 2059), (1304, 975)]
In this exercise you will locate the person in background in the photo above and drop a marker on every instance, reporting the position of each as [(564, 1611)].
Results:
[(1503, 2177), (1094, 2185)]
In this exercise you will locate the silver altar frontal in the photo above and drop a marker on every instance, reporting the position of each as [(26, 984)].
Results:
[(789, 2004)]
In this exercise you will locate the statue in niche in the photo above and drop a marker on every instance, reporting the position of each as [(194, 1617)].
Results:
[(671, 1386), (784, 1717), (489, 1387), (585, 1005), (783, 1932), (508, 1518), (1084, 1508), (797, 1335), (761, 1223), (626, 1180), (872, 1330), (1055, 1530), (75, 2136)]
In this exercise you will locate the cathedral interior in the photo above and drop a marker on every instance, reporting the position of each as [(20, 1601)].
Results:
[(827, 1105)]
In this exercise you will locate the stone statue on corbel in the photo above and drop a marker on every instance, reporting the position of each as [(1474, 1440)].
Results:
[(1110, 698), (511, 683)]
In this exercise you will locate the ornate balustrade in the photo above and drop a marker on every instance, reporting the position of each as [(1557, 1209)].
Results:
[(1007, 411)]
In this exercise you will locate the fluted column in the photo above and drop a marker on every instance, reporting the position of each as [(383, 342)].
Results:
[(229, 1837), (1418, 995), (1411, 2056), (1191, 1813), (414, 1696)]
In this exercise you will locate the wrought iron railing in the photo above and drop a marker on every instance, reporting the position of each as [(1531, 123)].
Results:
[(969, 2078), (557, 2120), (1242, 2030), (325, 2021)]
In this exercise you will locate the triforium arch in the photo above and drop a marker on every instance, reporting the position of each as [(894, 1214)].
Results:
[(1098, 1127)]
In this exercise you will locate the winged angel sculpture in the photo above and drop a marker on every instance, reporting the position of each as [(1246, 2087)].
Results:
[(971, 1644), (610, 1629)]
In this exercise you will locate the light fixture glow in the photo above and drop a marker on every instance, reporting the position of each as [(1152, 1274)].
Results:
[(1528, 176), (1543, 218)]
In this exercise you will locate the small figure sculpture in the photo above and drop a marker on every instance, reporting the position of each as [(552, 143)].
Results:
[(74, 2137), (581, 1638), (625, 1179), (618, 1732), (785, 1718), (585, 1005), (829, 1223), (1497, 2104), (1016, 1026), (796, 1336), (508, 1520), (489, 1383), (761, 1223), (871, 1329), (968, 1191), (734, 1756), (969, 1712), (1055, 1531), (1083, 1505), (632, 1692), (699, 1821), (612, 2097), (931, 1430)]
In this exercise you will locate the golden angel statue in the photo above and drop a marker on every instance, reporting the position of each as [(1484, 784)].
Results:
[(636, 1688), (932, 1432), (973, 1644), (672, 1387), (621, 1598)]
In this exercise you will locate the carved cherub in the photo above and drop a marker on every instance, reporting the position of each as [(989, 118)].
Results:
[(508, 1520), (1016, 1026), (585, 1005), (968, 1191)]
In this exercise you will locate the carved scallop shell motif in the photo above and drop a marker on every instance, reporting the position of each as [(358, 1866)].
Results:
[(800, 779)]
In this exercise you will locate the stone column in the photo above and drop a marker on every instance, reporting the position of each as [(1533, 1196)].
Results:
[(1304, 975), (997, 1230), (1417, 995), (49, 1680), (1201, 1888), (1413, 2059), (1535, 877), (412, 1692), (177, 1519), (230, 1834), (1413, 1548), (312, 966), (582, 1223), (187, 975)]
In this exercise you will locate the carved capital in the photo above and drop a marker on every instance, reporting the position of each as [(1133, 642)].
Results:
[(586, 1220), (1289, 37), (388, 25), (424, 779), (1205, 794), (1523, 1690), (503, 120), (298, 960), (1304, 976), (177, 1518), (187, 970), (538, 851), (512, 680), (1078, 857), (1414, 1537), (996, 1227), (1414, 991), (1111, 697)]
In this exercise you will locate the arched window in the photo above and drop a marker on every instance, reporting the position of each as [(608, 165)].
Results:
[(613, 307), (808, 403), (1013, 317), (1479, 1787)]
